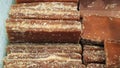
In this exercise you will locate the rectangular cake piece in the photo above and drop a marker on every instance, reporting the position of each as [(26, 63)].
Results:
[(93, 54), (43, 48), (112, 51), (43, 55), (108, 8), (96, 28), (95, 65), (30, 1), (52, 62), (99, 28), (45, 10), (40, 31)]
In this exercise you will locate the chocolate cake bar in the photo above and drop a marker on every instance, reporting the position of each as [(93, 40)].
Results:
[(93, 54), (43, 63), (108, 8), (45, 10), (40, 31), (99, 28), (112, 50), (43, 55), (29, 1), (95, 65), (43, 48)]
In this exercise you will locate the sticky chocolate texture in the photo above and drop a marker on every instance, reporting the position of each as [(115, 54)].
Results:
[(30, 1), (112, 50), (45, 63), (95, 65), (43, 31), (110, 8), (45, 10), (43, 48), (43, 55), (99, 28), (93, 54)]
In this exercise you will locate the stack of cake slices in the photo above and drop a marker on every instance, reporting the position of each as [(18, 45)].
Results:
[(63, 34), (44, 34)]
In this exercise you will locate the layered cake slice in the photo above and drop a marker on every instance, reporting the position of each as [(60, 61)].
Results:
[(50, 62), (42, 55), (93, 54), (40, 31), (45, 10), (43, 48)]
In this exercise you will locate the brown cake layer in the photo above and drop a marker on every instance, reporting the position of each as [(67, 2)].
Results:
[(108, 8), (43, 55), (93, 54), (45, 10), (29, 1), (43, 48), (43, 63), (32, 30), (99, 28), (112, 50), (95, 65)]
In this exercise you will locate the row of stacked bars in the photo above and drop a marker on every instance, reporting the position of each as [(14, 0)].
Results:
[(46, 34)]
